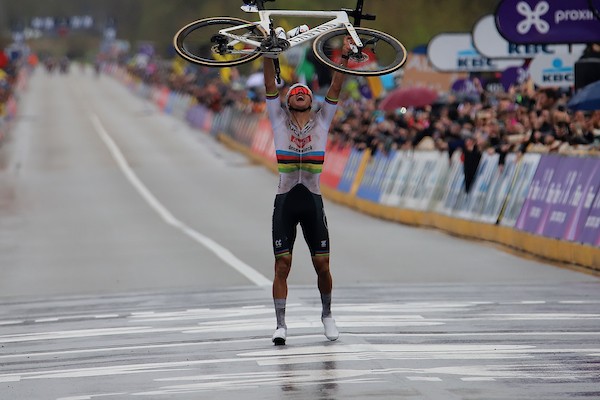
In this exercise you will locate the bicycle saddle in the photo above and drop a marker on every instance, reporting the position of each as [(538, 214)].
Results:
[(253, 2)]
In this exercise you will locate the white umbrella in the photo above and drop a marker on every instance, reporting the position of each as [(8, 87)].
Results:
[(257, 79)]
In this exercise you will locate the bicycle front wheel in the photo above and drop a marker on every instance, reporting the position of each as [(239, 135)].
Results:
[(381, 54), (201, 42)]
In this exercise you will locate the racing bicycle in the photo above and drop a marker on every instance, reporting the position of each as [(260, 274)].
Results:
[(227, 41)]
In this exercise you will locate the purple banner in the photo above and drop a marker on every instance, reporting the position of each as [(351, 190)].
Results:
[(534, 207), (196, 116), (588, 193), (590, 232), (547, 22), (565, 195)]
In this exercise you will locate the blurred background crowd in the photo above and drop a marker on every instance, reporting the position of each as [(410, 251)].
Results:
[(519, 119)]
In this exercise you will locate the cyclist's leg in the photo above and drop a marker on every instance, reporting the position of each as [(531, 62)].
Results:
[(283, 236), (316, 234)]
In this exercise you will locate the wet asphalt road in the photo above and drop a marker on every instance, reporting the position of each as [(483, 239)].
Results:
[(135, 263), (397, 342)]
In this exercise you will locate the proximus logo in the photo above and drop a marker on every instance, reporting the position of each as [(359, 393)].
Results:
[(533, 17)]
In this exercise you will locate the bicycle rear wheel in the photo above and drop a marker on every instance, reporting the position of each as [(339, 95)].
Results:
[(201, 43), (381, 54)]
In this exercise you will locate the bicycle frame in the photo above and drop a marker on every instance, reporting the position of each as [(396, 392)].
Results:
[(335, 20)]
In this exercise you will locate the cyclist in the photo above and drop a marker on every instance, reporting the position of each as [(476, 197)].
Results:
[(300, 137)]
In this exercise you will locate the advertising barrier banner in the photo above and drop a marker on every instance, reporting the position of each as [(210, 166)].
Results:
[(335, 162), (564, 197), (262, 139), (475, 200), (371, 184), (590, 232), (350, 171), (454, 190), (499, 190), (525, 171), (400, 169), (428, 169), (582, 212), (535, 204), (563, 202)]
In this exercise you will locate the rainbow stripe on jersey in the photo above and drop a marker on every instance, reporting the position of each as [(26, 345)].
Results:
[(289, 161)]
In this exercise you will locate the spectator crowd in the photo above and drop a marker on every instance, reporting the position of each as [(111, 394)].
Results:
[(522, 119)]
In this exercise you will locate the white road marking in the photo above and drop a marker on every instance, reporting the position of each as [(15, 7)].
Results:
[(477, 379), (424, 378), (90, 396), (220, 251), (2, 323), (46, 320)]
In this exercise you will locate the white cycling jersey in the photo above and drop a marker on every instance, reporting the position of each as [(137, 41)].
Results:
[(300, 152)]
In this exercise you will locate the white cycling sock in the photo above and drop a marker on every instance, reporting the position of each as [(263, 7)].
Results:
[(280, 312), (326, 302)]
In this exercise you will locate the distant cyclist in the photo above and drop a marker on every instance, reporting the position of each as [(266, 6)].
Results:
[(300, 137)]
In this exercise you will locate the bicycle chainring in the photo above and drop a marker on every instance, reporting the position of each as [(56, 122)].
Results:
[(274, 46)]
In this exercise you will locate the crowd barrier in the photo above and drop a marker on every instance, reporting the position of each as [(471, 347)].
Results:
[(543, 204), (8, 110)]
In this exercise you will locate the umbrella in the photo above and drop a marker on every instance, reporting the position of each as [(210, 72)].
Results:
[(257, 79), (587, 98), (408, 97)]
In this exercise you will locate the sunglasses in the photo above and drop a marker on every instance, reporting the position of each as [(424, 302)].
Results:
[(299, 90)]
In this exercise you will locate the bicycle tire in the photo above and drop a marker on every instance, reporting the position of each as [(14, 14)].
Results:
[(595, 8), (327, 49), (204, 30)]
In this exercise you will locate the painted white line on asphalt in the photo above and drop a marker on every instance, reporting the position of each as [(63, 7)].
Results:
[(477, 379), (2, 323), (90, 397), (46, 320), (220, 251), (424, 378)]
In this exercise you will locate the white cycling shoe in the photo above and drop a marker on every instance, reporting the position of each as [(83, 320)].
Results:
[(331, 331), (279, 336)]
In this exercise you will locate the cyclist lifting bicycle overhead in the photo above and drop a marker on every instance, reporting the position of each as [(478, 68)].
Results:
[(300, 137)]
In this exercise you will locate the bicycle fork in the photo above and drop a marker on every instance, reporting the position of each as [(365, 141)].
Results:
[(358, 44)]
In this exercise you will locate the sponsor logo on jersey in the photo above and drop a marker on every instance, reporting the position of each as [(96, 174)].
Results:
[(301, 142)]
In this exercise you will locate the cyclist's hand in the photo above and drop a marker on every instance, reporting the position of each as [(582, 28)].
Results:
[(348, 44)]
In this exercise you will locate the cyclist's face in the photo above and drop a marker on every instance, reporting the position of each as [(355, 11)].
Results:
[(300, 97)]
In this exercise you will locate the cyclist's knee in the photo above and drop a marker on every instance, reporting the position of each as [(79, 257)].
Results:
[(282, 266), (321, 264)]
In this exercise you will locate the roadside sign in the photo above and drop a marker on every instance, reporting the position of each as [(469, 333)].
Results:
[(553, 70), (547, 21), (490, 43), (454, 52)]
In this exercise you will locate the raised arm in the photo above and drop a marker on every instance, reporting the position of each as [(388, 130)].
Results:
[(338, 78), (269, 73)]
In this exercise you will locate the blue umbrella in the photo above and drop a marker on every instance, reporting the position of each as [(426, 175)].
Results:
[(587, 98)]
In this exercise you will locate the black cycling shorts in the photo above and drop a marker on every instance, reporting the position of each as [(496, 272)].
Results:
[(299, 206)]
